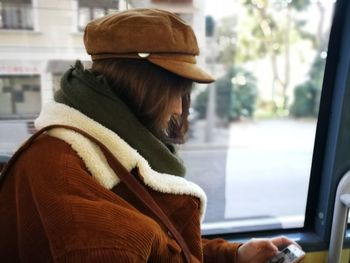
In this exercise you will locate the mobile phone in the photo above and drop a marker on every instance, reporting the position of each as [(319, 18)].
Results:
[(290, 254)]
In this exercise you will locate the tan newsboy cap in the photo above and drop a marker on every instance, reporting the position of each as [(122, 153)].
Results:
[(159, 36)]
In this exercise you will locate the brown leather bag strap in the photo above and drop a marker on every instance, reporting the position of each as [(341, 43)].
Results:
[(125, 176)]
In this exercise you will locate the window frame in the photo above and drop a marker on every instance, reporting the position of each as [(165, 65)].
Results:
[(331, 146), (26, 5), (92, 5)]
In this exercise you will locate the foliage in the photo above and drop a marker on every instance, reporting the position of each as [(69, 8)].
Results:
[(264, 30), (307, 95), (200, 103), (268, 30), (226, 37), (236, 95), (304, 100)]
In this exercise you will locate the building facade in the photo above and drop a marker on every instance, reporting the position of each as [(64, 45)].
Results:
[(40, 39)]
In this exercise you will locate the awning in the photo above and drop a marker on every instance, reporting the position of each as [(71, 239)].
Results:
[(17, 1), (112, 4), (61, 66)]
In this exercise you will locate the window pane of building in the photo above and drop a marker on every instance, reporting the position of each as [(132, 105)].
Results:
[(19, 97), (16, 15), (91, 9), (98, 12), (26, 16), (84, 17)]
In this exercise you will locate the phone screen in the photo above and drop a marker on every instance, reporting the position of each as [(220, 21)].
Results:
[(288, 255)]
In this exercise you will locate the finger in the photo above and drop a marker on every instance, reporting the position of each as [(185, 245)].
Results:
[(282, 241), (266, 247), (267, 250), (271, 253)]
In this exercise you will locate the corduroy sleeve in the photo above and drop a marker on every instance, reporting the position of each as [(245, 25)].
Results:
[(103, 255), (219, 250)]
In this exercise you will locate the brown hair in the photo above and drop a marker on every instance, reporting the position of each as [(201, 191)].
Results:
[(148, 90)]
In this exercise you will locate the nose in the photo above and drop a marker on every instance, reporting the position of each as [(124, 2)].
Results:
[(177, 106)]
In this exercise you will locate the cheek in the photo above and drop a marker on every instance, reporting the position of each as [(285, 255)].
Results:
[(175, 108)]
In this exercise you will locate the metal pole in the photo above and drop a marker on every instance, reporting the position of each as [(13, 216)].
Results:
[(340, 218), (211, 106)]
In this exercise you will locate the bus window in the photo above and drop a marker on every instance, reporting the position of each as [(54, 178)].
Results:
[(266, 140), (253, 130)]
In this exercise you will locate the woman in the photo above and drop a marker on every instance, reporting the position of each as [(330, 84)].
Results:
[(61, 200)]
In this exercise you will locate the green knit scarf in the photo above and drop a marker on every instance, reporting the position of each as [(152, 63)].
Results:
[(92, 96)]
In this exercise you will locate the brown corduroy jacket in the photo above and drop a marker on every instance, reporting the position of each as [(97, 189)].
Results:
[(53, 209)]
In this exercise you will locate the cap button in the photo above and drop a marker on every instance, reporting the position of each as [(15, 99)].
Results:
[(143, 55)]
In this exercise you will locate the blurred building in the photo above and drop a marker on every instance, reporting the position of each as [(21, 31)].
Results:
[(40, 39), (192, 11)]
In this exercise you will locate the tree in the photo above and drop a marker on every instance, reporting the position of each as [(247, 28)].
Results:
[(307, 95), (227, 41), (270, 30), (236, 95)]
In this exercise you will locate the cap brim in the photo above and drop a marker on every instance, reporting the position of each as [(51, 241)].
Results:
[(183, 69)]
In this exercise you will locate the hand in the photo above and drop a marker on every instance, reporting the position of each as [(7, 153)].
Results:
[(261, 250)]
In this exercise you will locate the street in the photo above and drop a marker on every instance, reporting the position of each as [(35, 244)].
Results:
[(261, 174)]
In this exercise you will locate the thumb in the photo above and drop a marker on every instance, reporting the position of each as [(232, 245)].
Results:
[(265, 250), (270, 246), (270, 250)]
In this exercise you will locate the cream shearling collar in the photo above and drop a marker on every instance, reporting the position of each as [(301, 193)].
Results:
[(57, 113)]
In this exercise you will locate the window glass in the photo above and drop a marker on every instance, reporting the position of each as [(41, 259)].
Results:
[(111, 10), (90, 9), (98, 12), (87, 13), (84, 17), (26, 16), (251, 135), (18, 15), (19, 96)]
